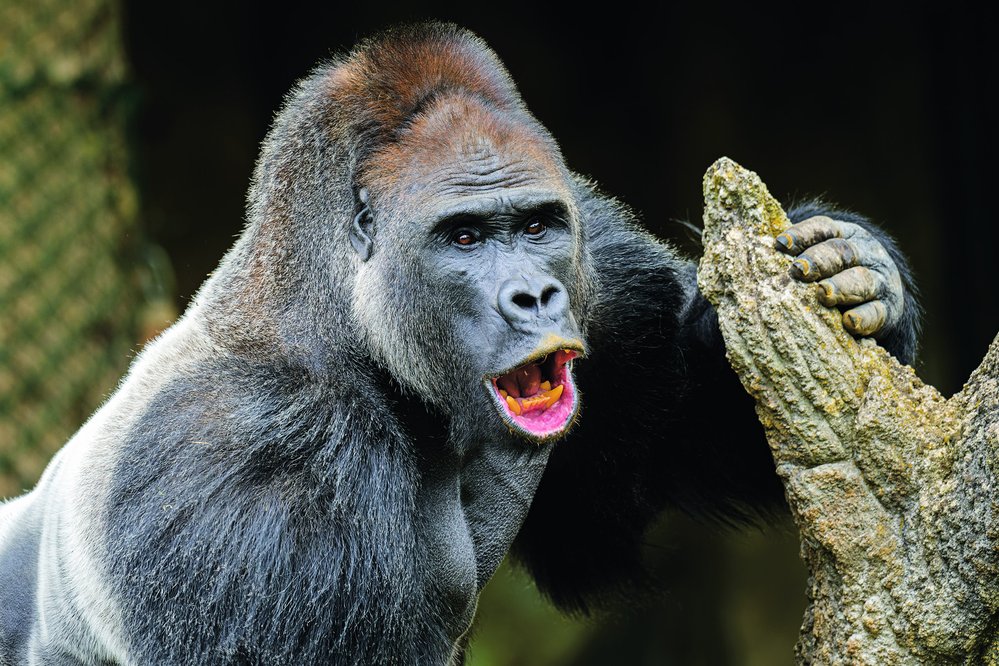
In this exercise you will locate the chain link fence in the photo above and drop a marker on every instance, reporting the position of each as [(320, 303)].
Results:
[(71, 284)]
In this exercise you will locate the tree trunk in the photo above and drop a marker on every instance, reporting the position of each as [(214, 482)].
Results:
[(893, 488)]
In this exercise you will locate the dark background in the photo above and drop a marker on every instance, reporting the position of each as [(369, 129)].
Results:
[(885, 111)]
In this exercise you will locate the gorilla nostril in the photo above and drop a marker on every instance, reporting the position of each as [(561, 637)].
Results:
[(525, 301), (549, 292)]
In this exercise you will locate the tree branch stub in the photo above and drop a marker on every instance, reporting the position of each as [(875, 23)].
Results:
[(893, 487)]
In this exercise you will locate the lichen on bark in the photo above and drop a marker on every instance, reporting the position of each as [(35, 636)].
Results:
[(893, 487)]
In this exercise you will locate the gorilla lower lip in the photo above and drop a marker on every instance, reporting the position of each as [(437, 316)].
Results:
[(538, 397)]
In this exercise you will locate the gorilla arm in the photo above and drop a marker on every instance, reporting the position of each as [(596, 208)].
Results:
[(665, 421)]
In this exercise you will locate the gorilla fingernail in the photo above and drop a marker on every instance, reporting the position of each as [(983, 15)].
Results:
[(801, 268), (784, 242), (827, 293)]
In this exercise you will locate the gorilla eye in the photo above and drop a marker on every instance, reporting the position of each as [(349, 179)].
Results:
[(464, 237), (536, 227)]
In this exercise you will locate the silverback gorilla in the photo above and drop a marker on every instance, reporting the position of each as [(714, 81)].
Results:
[(432, 344)]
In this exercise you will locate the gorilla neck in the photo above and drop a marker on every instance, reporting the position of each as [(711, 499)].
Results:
[(476, 486)]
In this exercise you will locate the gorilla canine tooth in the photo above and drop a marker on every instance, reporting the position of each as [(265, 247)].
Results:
[(554, 395), (543, 400), (563, 356)]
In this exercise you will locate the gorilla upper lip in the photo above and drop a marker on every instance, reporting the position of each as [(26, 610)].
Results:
[(538, 397)]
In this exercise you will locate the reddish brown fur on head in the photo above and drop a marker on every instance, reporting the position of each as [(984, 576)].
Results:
[(448, 134), (392, 79)]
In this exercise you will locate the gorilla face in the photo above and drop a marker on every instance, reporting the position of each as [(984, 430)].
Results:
[(477, 272)]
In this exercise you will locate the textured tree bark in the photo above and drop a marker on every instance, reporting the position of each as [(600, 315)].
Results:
[(893, 488)]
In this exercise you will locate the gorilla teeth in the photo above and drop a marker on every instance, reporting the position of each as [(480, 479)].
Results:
[(543, 400), (529, 387), (554, 395)]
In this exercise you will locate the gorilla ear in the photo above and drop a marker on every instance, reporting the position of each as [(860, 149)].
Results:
[(362, 228)]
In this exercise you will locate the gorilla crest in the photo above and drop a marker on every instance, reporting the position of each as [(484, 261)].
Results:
[(374, 398)]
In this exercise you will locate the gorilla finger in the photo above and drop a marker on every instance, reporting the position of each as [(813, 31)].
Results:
[(871, 253), (823, 260), (801, 236), (854, 285), (866, 319)]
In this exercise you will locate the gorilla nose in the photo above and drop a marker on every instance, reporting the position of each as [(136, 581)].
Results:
[(523, 301)]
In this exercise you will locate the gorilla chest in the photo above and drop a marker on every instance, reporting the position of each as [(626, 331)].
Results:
[(471, 508)]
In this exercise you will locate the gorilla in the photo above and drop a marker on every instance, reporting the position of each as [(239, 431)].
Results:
[(431, 345)]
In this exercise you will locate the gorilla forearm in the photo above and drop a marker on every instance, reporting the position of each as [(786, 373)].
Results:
[(684, 433), (657, 336)]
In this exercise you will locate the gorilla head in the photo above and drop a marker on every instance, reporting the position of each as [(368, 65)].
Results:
[(463, 265), (472, 263)]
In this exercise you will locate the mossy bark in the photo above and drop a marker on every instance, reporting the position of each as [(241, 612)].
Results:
[(893, 488)]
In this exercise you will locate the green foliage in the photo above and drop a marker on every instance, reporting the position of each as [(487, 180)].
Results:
[(69, 289)]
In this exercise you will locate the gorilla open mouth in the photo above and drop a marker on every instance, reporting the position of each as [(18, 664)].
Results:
[(539, 397)]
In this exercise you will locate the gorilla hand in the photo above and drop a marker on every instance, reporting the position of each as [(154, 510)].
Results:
[(853, 269)]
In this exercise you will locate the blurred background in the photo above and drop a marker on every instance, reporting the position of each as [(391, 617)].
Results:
[(128, 132)]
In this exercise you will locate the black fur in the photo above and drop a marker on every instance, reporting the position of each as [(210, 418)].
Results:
[(285, 498)]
